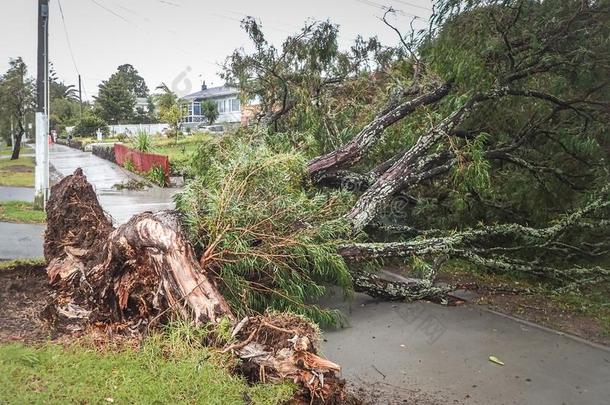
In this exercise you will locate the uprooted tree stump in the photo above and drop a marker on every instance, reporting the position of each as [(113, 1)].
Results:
[(144, 273)]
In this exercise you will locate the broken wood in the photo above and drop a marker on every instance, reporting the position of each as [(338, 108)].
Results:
[(145, 273)]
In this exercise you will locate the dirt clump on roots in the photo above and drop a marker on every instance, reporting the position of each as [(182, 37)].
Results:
[(74, 202)]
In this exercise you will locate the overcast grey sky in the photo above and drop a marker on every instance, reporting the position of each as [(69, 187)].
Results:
[(179, 42)]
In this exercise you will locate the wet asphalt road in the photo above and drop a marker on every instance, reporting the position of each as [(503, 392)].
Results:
[(427, 353)]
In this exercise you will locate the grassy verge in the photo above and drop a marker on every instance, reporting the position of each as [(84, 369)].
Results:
[(17, 173), (169, 368), (21, 212), (8, 265), (584, 311), (6, 150)]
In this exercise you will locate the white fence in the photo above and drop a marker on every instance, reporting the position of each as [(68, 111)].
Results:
[(132, 129)]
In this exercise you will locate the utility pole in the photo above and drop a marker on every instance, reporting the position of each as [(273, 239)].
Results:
[(42, 108)]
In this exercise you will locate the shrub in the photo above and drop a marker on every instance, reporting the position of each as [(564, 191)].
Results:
[(157, 176), (142, 142), (128, 165), (89, 125), (263, 229)]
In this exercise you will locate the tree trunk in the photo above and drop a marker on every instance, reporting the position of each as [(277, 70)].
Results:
[(145, 272), (17, 146), (352, 152)]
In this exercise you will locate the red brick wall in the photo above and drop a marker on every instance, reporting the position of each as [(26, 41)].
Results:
[(142, 161)]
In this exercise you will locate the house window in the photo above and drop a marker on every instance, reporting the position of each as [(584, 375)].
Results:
[(221, 106), (196, 108), (235, 104)]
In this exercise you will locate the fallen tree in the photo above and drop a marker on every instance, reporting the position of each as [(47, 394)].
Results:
[(145, 273), (470, 140)]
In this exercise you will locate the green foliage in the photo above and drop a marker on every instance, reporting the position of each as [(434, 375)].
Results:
[(128, 165), (89, 125), (209, 109), (257, 223), (173, 367), (17, 97), (157, 176), (170, 108), (472, 170), (116, 97), (142, 142)]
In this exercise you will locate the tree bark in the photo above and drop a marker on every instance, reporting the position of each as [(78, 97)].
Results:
[(352, 152), (17, 146), (410, 164)]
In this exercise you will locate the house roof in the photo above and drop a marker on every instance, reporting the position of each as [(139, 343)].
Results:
[(212, 92)]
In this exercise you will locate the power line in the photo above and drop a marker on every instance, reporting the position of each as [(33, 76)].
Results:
[(386, 8), (406, 3), (110, 11), (65, 25), (63, 19)]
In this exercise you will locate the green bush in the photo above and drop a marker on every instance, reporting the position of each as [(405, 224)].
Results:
[(269, 234), (128, 165), (142, 142), (89, 125), (157, 176)]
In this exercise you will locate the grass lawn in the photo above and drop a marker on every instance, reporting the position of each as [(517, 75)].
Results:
[(169, 368), (180, 149), (21, 212), (17, 173), (8, 265), (6, 150)]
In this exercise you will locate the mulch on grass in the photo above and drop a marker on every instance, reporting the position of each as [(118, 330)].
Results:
[(24, 293)]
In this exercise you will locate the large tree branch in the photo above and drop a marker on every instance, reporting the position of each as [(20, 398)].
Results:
[(354, 150)]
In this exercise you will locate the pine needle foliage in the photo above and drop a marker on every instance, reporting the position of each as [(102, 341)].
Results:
[(268, 234)]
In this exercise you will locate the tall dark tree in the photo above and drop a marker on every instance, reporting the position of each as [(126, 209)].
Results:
[(116, 98), (134, 82), (115, 102), (16, 100)]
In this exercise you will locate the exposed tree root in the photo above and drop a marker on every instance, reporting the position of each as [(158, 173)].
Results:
[(145, 272)]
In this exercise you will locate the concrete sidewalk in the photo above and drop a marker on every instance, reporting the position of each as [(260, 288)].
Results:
[(434, 354), (103, 175)]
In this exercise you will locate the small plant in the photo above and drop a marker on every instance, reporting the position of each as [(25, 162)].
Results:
[(128, 165), (142, 142), (157, 176), (121, 137)]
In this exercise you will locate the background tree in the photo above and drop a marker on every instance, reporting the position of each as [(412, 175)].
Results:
[(115, 102), (116, 98), (65, 105), (135, 83), (170, 107), (209, 109), (16, 101)]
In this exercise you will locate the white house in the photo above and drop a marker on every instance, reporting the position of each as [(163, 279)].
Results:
[(227, 102)]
